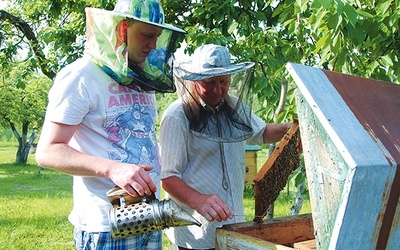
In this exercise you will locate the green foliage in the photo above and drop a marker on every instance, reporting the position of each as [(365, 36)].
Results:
[(354, 37), (26, 97), (163, 101), (58, 26), (25, 94), (359, 38), (7, 138)]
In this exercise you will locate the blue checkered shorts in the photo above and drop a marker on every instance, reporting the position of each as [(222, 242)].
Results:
[(103, 241)]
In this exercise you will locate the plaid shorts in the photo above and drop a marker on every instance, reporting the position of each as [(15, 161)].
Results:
[(103, 241)]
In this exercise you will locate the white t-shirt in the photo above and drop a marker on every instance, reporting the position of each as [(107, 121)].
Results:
[(115, 122), (198, 162)]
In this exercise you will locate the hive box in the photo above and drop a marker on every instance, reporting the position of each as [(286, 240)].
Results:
[(350, 130), (251, 163), (294, 232), (350, 133)]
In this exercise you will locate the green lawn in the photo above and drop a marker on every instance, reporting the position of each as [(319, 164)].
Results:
[(34, 206)]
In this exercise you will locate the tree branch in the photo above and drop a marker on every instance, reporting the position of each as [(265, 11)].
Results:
[(31, 37)]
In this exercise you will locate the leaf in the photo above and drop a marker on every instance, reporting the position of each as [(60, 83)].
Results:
[(260, 15), (281, 117), (302, 4), (351, 14), (333, 22), (364, 13), (299, 179), (200, 11), (324, 4), (20, 84), (319, 17), (384, 29), (321, 42), (386, 61), (340, 7), (382, 7), (232, 27)]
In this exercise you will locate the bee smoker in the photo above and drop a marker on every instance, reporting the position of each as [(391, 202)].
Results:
[(132, 216)]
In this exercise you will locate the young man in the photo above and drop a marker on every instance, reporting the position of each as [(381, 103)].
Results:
[(203, 136), (100, 119)]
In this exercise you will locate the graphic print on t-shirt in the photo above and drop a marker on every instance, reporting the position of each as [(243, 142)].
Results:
[(130, 125)]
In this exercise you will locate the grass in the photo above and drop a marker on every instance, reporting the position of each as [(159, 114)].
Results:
[(34, 206)]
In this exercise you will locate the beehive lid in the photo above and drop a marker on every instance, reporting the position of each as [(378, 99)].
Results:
[(252, 148), (359, 120)]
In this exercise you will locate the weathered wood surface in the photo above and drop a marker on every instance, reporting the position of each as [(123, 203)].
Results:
[(308, 244), (351, 144), (278, 233)]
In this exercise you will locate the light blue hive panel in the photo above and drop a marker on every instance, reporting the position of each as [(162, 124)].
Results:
[(350, 130)]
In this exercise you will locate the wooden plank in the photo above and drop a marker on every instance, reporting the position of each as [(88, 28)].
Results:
[(308, 244), (376, 105), (228, 240), (283, 231)]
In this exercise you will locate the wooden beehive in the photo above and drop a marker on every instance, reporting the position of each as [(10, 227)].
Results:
[(350, 135), (286, 233), (294, 232), (251, 163), (350, 130)]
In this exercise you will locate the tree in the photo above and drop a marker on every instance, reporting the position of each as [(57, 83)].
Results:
[(24, 107), (355, 37), (37, 38)]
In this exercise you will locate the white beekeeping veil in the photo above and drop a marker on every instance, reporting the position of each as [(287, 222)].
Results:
[(230, 120)]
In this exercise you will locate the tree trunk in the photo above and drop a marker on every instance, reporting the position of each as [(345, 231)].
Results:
[(282, 99), (24, 145), (296, 207)]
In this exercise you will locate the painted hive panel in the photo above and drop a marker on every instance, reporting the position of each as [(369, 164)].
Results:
[(326, 172), (351, 143)]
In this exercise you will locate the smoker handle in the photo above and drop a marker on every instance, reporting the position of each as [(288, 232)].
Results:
[(119, 197)]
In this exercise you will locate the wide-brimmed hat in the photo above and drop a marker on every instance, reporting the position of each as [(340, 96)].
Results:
[(147, 11), (208, 61)]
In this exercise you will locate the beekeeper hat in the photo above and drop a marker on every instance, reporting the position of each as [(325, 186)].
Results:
[(208, 61), (147, 11)]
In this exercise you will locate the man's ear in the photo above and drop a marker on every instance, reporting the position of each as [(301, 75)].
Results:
[(121, 32), (125, 30)]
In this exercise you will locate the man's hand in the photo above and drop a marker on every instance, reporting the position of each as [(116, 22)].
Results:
[(211, 207), (134, 179)]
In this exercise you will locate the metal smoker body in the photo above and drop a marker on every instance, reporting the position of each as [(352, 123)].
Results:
[(143, 215)]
